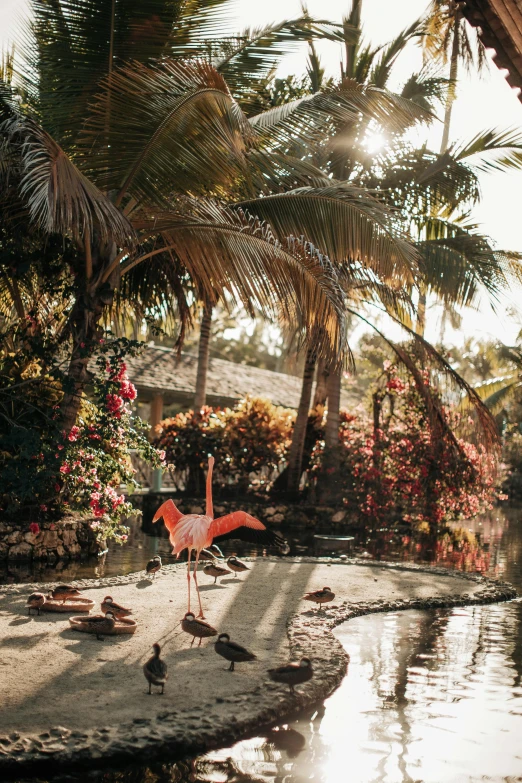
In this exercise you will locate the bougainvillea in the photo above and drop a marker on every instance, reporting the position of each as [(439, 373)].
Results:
[(47, 471), (395, 468)]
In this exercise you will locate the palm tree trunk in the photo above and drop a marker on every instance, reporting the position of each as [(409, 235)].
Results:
[(420, 325), (295, 459), (329, 489), (321, 384), (200, 397), (454, 64)]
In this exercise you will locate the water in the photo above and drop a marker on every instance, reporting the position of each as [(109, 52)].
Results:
[(431, 696)]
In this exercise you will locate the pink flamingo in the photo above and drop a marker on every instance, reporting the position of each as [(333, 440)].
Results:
[(198, 531)]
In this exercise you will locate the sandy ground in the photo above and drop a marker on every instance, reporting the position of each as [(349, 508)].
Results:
[(53, 676)]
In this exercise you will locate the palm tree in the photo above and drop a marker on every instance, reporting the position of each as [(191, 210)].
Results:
[(447, 39)]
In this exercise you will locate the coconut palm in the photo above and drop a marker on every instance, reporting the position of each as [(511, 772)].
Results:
[(450, 39)]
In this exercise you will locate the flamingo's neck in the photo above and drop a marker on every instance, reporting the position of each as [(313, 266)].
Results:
[(210, 508)]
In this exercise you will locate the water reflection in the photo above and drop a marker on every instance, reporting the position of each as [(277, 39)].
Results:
[(432, 696)]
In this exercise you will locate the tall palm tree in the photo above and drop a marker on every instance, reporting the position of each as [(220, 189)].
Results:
[(449, 39)]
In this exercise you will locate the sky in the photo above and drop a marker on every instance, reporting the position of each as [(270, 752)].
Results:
[(482, 103)]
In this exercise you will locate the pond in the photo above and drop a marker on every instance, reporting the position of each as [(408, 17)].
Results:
[(431, 696)]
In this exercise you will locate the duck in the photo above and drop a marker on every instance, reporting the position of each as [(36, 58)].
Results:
[(323, 596), (35, 601), (153, 566), (212, 553), (197, 628), (155, 670), (212, 569), (292, 673), (64, 592), (100, 623), (108, 605), (237, 566), (232, 651)]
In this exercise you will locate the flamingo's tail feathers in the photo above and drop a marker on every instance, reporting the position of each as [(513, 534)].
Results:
[(170, 514)]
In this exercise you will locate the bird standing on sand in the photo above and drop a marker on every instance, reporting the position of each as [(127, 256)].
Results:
[(197, 628), (35, 601), (323, 596), (292, 673), (237, 566), (108, 605), (198, 531), (64, 592), (231, 651), (212, 569), (100, 623), (155, 670), (153, 566)]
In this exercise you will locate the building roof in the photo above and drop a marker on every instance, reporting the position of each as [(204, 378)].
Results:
[(158, 370), (500, 28)]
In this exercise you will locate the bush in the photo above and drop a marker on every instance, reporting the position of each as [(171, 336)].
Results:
[(251, 438), (394, 468), (47, 472)]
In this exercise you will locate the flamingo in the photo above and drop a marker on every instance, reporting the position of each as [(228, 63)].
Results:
[(198, 531)]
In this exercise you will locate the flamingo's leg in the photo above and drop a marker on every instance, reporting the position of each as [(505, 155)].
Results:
[(188, 577), (197, 586)]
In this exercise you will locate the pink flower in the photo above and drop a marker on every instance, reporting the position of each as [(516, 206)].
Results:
[(73, 435), (128, 390), (124, 537), (43, 507), (65, 469), (114, 403), (34, 527), (52, 527)]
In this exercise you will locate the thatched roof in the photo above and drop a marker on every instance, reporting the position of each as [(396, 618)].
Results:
[(500, 28), (158, 370)]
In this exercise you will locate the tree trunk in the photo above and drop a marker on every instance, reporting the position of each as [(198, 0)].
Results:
[(321, 384), (295, 460), (420, 325), (200, 397), (330, 488), (454, 64)]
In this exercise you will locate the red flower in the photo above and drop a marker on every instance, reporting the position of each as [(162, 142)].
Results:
[(114, 403), (73, 435), (34, 527), (128, 390)]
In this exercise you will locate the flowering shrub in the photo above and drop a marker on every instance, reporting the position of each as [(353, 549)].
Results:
[(395, 468), (48, 472), (254, 436)]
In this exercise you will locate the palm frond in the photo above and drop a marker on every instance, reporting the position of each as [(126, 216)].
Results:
[(345, 223), (498, 391), (427, 88), (381, 70), (229, 251), (492, 150), (168, 127), (307, 119), (58, 197)]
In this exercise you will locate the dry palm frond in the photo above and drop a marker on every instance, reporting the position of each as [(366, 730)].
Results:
[(58, 197), (230, 251), (163, 128)]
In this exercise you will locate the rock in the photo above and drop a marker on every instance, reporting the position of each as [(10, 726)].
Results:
[(195, 510), (21, 551), (14, 538), (281, 509), (270, 511), (278, 518), (339, 516), (50, 539), (4, 551)]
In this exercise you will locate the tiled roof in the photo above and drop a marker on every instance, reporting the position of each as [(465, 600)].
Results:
[(500, 28), (158, 370)]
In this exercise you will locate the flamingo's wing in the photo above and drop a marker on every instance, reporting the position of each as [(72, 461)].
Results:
[(243, 526), (170, 513)]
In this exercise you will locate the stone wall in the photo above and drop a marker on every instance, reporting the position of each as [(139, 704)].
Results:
[(70, 538), (320, 519)]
